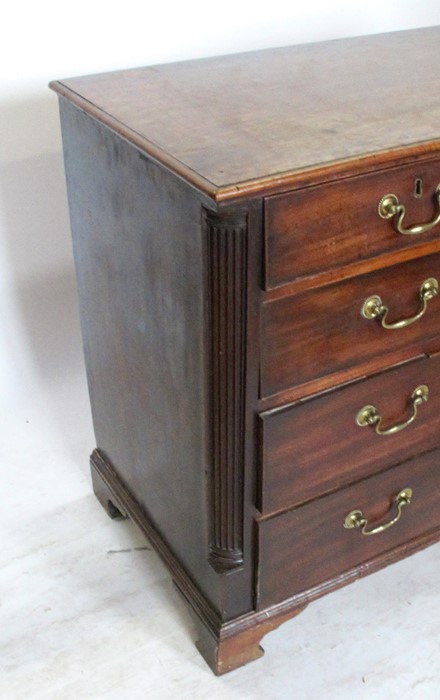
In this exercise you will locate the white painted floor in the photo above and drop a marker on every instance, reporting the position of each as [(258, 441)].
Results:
[(88, 610)]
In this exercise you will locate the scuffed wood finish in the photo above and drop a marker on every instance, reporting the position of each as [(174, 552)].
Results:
[(322, 331), (323, 228), (239, 643), (315, 546), (108, 485), (263, 116), (339, 379), (321, 279), (224, 645), (102, 490), (315, 446), (227, 272)]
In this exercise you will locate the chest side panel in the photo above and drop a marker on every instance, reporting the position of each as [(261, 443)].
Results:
[(139, 259)]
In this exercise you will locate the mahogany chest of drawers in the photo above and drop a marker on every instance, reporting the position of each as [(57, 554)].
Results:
[(257, 244)]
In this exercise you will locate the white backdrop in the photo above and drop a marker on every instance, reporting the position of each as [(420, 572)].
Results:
[(40, 356)]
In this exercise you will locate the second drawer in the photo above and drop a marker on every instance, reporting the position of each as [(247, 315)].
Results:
[(323, 331), (316, 445)]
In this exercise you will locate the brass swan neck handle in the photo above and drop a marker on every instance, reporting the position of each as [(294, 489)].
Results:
[(390, 208), (369, 415), (356, 518), (374, 308)]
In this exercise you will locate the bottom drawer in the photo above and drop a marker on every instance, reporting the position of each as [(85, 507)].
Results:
[(310, 545)]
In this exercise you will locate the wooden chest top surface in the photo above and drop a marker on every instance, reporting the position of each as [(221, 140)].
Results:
[(227, 123)]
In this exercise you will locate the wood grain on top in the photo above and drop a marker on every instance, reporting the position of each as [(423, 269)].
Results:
[(258, 116)]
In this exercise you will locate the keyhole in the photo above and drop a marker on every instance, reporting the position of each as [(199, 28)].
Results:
[(418, 187)]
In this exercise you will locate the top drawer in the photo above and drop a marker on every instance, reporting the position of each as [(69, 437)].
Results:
[(327, 226)]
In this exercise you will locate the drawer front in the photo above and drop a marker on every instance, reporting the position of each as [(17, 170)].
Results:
[(324, 227), (322, 331), (310, 545), (315, 446)]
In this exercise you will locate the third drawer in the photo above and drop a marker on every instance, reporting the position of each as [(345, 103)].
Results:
[(316, 445)]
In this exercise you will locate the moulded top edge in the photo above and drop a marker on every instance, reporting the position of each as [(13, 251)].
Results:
[(257, 122)]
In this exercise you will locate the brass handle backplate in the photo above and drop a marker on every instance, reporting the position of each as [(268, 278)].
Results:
[(390, 208), (374, 308), (369, 415), (356, 518)]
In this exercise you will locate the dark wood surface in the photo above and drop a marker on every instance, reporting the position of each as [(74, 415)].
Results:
[(141, 288), (328, 226), (227, 275), (322, 331), (262, 116), (310, 545), (315, 446)]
